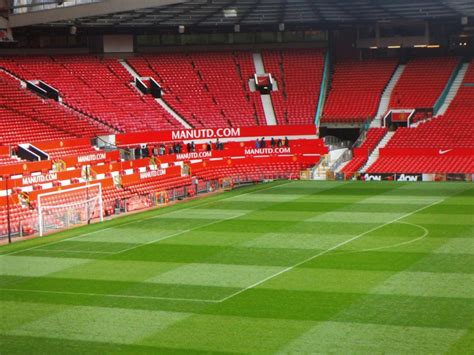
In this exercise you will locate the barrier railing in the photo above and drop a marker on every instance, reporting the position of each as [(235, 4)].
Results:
[(324, 88), (446, 89)]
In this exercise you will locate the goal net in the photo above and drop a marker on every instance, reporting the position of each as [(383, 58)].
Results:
[(227, 183), (65, 208)]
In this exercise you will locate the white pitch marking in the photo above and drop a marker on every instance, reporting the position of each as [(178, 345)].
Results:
[(326, 251), (426, 232), (177, 233), (76, 251), (139, 220), (110, 295)]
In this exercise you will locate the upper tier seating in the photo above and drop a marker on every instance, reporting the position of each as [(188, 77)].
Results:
[(228, 87), (27, 118), (422, 82), (298, 74), (356, 89), (100, 88), (245, 65), (206, 89)]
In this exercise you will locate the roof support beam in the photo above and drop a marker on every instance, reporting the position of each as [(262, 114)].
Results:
[(93, 9)]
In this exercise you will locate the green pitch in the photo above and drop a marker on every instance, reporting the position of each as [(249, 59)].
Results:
[(292, 267)]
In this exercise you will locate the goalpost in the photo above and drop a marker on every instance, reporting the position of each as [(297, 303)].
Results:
[(64, 208)]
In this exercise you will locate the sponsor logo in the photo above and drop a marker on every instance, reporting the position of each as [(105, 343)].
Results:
[(149, 174), (59, 165), (441, 151), (28, 180), (258, 151), (368, 177), (91, 157), (205, 133), (404, 177), (193, 155)]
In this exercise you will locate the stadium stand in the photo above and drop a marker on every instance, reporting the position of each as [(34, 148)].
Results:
[(373, 137), (246, 70), (206, 89), (210, 90), (298, 74), (422, 82), (98, 88), (5, 159), (158, 183), (21, 219), (40, 119), (80, 149), (356, 89), (419, 164), (250, 171), (453, 130)]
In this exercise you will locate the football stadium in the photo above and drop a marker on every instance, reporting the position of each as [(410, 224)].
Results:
[(222, 176)]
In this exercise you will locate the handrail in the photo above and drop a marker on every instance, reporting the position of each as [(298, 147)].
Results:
[(323, 88), (444, 93), (346, 156)]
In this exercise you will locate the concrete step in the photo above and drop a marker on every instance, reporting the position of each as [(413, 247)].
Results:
[(375, 153), (385, 99)]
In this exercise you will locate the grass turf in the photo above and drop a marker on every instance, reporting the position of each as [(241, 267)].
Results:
[(335, 267)]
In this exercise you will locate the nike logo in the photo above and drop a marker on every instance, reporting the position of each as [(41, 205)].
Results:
[(444, 151)]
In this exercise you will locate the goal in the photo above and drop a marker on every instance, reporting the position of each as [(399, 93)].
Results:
[(227, 183), (65, 208)]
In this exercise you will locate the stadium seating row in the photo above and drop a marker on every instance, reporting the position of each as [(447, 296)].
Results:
[(298, 74), (356, 88), (373, 137), (452, 130)]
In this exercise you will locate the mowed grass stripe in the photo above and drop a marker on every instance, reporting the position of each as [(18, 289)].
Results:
[(317, 255), (129, 220), (126, 289), (316, 304)]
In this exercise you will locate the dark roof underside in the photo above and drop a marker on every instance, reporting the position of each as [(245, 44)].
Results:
[(223, 13)]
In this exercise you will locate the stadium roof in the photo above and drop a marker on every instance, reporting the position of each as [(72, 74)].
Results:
[(251, 13)]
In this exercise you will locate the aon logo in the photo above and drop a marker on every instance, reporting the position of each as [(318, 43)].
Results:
[(368, 177), (404, 177)]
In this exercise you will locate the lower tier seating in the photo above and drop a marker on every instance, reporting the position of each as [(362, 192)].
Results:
[(374, 135), (252, 172), (158, 184), (5, 159), (70, 151), (423, 164)]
